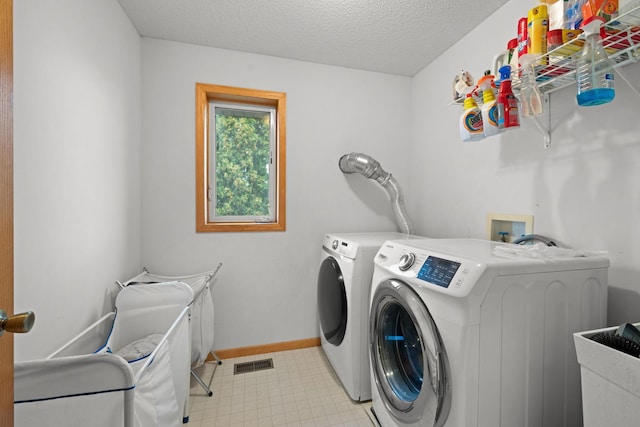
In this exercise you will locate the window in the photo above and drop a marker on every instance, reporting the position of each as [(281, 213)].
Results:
[(240, 159)]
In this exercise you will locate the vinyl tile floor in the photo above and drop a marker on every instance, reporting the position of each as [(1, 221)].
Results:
[(300, 390)]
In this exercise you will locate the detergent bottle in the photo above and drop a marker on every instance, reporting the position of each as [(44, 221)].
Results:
[(489, 107), (471, 128), (508, 115)]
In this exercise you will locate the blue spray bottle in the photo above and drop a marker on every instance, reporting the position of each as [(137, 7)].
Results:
[(508, 114)]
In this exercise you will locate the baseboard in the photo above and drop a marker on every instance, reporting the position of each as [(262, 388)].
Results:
[(266, 348)]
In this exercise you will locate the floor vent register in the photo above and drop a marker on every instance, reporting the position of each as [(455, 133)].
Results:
[(256, 365)]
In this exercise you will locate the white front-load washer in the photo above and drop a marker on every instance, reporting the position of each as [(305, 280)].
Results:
[(471, 333), (344, 283)]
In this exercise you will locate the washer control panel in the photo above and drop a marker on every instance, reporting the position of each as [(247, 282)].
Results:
[(440, 271)]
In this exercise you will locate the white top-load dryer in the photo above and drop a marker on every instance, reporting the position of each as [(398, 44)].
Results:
[(466, 335), (344, 283)]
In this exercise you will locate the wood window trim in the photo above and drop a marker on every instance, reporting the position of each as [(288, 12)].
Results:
[(205, 93)]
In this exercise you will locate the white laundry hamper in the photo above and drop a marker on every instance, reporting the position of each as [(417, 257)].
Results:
[(202, 314), (610, 382), (88, 382)]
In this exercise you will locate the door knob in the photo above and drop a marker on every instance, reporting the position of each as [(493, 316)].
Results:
[(18, 323)]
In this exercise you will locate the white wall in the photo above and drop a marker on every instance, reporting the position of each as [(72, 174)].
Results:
[(266, 290), (584, 191), (77, 159), (81, 89)]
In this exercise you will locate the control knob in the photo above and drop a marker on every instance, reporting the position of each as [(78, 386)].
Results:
[(406, 261), (334, 245)]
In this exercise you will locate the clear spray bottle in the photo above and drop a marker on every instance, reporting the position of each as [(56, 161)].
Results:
[(594, 72), (530, 97)]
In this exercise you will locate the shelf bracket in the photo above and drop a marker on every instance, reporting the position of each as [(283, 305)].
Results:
[(543, 121)]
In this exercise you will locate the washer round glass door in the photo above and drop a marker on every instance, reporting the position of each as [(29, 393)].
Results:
[(408, 358), (332, 301)]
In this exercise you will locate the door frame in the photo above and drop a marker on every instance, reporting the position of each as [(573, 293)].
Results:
[(6, 207)]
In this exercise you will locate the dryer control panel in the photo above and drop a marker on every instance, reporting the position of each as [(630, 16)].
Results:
[(337, 246)]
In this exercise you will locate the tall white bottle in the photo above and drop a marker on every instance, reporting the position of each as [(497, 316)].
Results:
[(489, 107)]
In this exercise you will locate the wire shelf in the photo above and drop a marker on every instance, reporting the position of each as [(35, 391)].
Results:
[(622, 42)]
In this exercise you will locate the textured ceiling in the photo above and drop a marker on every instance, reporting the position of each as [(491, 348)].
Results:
[(390, 36)]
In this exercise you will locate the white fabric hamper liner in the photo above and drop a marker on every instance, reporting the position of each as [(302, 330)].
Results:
[(87, 383), (202, 314)]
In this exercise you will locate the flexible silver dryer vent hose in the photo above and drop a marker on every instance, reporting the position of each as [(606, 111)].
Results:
[(370, 168)]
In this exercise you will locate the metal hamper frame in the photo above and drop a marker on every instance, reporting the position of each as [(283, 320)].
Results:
[(211, 275)]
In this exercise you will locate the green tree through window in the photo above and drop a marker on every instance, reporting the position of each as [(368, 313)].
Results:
[(243, 158)]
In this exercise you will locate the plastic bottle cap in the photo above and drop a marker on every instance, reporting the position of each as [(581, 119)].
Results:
[(527, 59), (592, 25), (538, 12), (469, 102), (505, 72), (485, 81)]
